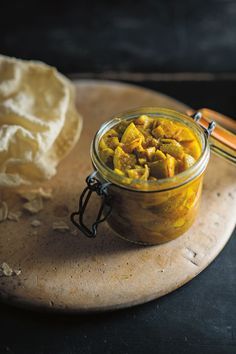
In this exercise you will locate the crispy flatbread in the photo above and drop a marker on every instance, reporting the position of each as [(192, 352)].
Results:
[(39, 124)]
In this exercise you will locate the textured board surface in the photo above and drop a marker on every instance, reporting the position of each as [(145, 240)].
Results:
[(67, 272)]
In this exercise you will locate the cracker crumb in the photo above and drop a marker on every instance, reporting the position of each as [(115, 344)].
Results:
[(36, 223), (14, 216), (32, 194), (6, 270), (34, 206), (17, 271), (60, 226), (3, 211)]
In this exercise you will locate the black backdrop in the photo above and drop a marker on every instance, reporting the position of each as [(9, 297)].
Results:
[(138, 36)]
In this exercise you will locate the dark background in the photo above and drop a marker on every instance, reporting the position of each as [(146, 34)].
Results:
[(186, 49), (138, 36)]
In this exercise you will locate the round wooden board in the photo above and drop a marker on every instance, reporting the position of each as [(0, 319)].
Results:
[(68, 272)]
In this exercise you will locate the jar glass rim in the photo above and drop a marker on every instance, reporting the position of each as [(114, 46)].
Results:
[(161, 184)]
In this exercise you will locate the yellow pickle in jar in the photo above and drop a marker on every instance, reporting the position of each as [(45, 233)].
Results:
[(149, 166)]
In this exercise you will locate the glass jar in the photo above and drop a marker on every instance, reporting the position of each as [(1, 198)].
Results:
[(150, 212)]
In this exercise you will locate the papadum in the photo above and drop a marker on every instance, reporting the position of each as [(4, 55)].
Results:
[(39, 123)]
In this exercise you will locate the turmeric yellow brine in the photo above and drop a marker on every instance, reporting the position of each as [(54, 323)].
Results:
[(147, 148)]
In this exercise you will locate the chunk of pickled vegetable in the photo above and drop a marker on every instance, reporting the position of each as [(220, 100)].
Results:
[(163, 168), (131, 133), (188, 161), (169, 141), (135, 144), (179, 222), (175, 150), (169, 128), (158, 132), (123, 161), (158, 169), (150, 152), (119, 172), (144, 132), (179, 167), (190, 198), (145, 121), (150, 142), (159, 155), (109, 140), (184, 134), (171, 162), (120, 128), (148, 148), (139, 173), (111, 133), (107, 155), (142, 160), (192, 148)]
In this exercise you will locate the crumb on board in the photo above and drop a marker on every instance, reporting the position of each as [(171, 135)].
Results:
[(36, 223), (14, 215), (34, 206), (35, 193), (7, 271), (3, 211), (60, 226), (34, 198)]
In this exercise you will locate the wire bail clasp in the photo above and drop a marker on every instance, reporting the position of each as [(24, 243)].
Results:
[(93, 185), (197, 117), (222, 140)]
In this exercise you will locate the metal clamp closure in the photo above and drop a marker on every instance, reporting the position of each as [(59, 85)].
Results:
[(197, 116), (93, 185)]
